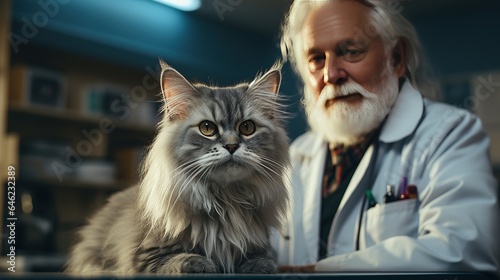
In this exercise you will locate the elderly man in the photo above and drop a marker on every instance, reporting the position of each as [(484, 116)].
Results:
[(386, 180)]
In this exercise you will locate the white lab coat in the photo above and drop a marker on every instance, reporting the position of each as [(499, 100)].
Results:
[(452, 226)]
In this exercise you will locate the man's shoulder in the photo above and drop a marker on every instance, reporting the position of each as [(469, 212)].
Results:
[(439, 114), (305, 137), (304, 144), (444, 122)]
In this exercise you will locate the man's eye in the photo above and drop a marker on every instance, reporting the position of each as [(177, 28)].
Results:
[(347, 52), (352, 54), (317, 58), (316, 62)]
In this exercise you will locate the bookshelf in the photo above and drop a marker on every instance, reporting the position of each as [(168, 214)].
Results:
[(51, 206), (6, 141)]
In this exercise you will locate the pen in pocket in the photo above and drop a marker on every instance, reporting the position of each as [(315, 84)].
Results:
[(390, 196), (410, 192), (402, 187), (371, 200)]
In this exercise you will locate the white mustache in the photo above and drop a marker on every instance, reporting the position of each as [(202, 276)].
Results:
[(331, 91)]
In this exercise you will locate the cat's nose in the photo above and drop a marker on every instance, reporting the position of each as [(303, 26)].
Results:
[(231, 148)]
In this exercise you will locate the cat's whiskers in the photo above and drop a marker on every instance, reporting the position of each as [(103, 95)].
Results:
[(279, 165), (262, 168), (261, 160), (258, 163), (181, 167), (178, 187), (194, 169), (208, 206), (181, 185), (263, 171)]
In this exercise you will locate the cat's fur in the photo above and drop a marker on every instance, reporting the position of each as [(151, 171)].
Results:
[(198, 207)]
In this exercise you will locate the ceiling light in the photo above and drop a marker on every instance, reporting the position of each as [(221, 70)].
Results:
[(183, 5)]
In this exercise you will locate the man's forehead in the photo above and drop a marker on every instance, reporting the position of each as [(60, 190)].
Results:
[(337, 21)]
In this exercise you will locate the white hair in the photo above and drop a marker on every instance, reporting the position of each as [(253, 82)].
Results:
[(385, 18)]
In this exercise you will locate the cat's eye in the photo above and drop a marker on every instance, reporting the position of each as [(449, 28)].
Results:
[(247, 127), (207, 128)]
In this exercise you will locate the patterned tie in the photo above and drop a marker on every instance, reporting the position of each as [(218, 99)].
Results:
[(340, 162)]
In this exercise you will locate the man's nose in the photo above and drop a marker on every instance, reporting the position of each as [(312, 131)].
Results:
[(334, 73)]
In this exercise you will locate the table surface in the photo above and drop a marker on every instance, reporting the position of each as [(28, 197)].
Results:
[(297, 276)]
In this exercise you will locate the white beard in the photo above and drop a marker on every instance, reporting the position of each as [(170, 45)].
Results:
[(345, 124)]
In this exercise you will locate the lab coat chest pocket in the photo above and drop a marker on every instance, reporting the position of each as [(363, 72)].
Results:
[(392, 219)]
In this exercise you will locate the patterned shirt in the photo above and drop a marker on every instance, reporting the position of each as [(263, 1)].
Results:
[(339, 167), (341, 161)]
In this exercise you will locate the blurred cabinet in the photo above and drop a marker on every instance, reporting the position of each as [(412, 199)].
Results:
[(480, 94), (486, 91), (77, 127), (5, 161)]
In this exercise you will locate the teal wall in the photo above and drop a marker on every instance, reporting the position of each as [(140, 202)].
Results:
[(462, 41), (136, 32)]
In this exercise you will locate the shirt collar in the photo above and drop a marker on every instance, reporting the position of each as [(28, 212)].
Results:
[(404, 116), (308, 145)]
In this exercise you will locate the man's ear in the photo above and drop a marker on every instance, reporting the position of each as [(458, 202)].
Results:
[(399, 59)]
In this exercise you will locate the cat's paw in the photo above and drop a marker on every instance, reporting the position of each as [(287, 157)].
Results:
[(258, 265), (188, 263)]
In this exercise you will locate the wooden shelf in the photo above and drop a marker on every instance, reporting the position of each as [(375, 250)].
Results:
[(68, 203), (38, 263), (75, 118), (40, 121), (76, 184)]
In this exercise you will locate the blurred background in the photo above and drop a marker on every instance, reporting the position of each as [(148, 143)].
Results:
[(79, 92)]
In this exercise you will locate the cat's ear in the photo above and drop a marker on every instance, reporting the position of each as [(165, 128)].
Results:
[(177, 92), (172, 82), (269, 82), (265, 92)]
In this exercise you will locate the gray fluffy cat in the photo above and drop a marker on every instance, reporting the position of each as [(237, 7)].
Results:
[(211, 190)]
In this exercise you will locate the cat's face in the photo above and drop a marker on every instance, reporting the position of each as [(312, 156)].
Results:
[(225, 135)]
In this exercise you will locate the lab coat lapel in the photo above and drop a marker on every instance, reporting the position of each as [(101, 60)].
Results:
[(341, 238), (357, 176), (405, 115), (312, 177)]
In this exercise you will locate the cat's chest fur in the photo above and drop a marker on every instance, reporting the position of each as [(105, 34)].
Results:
[(227, 233)]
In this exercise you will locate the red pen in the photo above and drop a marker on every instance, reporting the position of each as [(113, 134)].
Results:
[(402, 187), (411, 192)]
